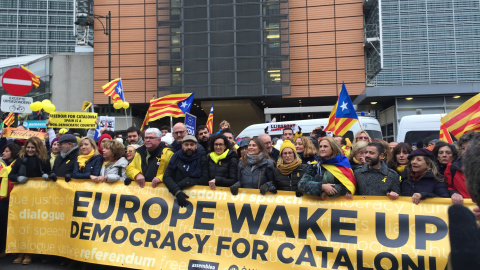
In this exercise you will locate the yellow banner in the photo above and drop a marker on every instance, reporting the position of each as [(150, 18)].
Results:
[(73, 120), (23, 134), (128, 226)]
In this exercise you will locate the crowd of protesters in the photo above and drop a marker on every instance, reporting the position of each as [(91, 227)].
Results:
[(319, 165)]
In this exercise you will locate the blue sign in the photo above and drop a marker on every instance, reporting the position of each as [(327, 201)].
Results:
[(35, 123), (190, 123)]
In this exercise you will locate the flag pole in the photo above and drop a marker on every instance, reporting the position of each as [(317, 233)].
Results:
[(171, 124), (126, 121), (358, 121)]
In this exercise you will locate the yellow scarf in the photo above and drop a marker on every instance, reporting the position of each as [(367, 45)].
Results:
[(4, 175), (52, 159), (216, 158), (356, 161), (287, 169), (82, 159), (400, 169)]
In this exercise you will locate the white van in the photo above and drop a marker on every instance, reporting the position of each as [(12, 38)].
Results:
[(368, 124), (415, 128)]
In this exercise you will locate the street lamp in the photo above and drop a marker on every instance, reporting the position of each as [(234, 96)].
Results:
[(86, 19)]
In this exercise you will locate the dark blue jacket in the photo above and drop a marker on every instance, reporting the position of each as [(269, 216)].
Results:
[(92, 167), (427, 186)]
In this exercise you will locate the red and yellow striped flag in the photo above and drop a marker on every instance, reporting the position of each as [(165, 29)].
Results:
[(210, 120), (8, 121), (35, 78), (109, 90), (464, 119), (444, 134), (166, 106), (331, 119)]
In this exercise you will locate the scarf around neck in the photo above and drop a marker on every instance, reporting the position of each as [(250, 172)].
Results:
[(400, 169), (356, 161), (216, 158), (252, 159), (287, 169), (82, 159), (192, 165)]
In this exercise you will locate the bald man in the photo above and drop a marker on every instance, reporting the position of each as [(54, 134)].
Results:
[(179, 132)]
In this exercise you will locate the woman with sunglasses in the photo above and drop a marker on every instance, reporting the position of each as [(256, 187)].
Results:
[(361, 135), (130, 152), (222, 163)]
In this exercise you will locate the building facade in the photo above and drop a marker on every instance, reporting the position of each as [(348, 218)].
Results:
[(36, 27), (422, 57), (245, 55)]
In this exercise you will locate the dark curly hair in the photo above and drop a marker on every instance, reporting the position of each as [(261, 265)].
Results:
[(222, 137), (441, 144)]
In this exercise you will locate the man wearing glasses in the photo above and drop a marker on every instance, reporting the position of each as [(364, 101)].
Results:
[(151, 160), (179, 132)]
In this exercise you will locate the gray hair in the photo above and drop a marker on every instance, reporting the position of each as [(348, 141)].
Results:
[(154, 130), (471, 165)]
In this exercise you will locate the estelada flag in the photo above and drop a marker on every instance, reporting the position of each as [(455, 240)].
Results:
[(166, 106), (464, 119), (343, 114), (210, 120), (8, 121), (340, 167), (35, 78), (114, 89), (444, 134)]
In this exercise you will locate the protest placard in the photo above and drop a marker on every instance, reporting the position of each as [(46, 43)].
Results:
[(73, 120)]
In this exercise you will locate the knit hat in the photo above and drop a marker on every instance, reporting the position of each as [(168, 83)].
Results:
[(421, 152), (54, 140), (287, 144)]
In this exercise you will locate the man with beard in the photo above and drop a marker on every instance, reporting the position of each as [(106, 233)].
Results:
[(64, 162), (187, 167), (203, 137), (375, 178), (150, 161), (134, 136)]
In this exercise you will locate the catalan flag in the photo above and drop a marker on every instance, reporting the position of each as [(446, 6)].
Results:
[(145, 121), (114, 89), (167, 106), (464, 119), (8, 121), (444, 134), (210, 120), (344, 115), (35, 78), (340, 167)]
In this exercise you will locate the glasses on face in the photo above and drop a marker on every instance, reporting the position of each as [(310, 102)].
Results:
[(218, 144), (150, 138), (362, 137), (179, 132), (129, 151)]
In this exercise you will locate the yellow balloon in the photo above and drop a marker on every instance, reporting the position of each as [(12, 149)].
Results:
[(126, 105), (50, 108), (36, 106), (45, 102), (117, 105)]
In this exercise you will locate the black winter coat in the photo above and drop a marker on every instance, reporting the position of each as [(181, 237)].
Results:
[(177, 179), (259, 175), (427, 186), (63, 166), (225, 171), (288, 182), (29, 166), (92, 167)]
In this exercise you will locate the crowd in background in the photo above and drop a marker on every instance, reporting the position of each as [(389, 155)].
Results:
[(319, 165)]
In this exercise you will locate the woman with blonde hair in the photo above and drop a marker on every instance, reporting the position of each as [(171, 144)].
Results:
[(332, 175), (362, 135), (305, 149), (89, 161), (115, 165), (289, 168), (357, 156)]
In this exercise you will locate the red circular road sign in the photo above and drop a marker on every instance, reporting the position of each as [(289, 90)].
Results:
[(17, 81)]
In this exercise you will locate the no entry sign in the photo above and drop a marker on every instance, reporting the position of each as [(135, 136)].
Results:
[(17, 82)]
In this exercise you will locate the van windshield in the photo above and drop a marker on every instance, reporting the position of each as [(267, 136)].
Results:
[(374, 134), (418, 136)]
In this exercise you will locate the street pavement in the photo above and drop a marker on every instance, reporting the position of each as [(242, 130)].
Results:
[(6, 264)]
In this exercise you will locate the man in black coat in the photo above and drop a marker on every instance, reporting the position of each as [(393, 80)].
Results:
[(272, 151), (187, 167), (65, 160), (203, 137)]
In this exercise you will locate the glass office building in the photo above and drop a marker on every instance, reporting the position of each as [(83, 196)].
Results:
[(223, 48), (426, 42), (36, 27)]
